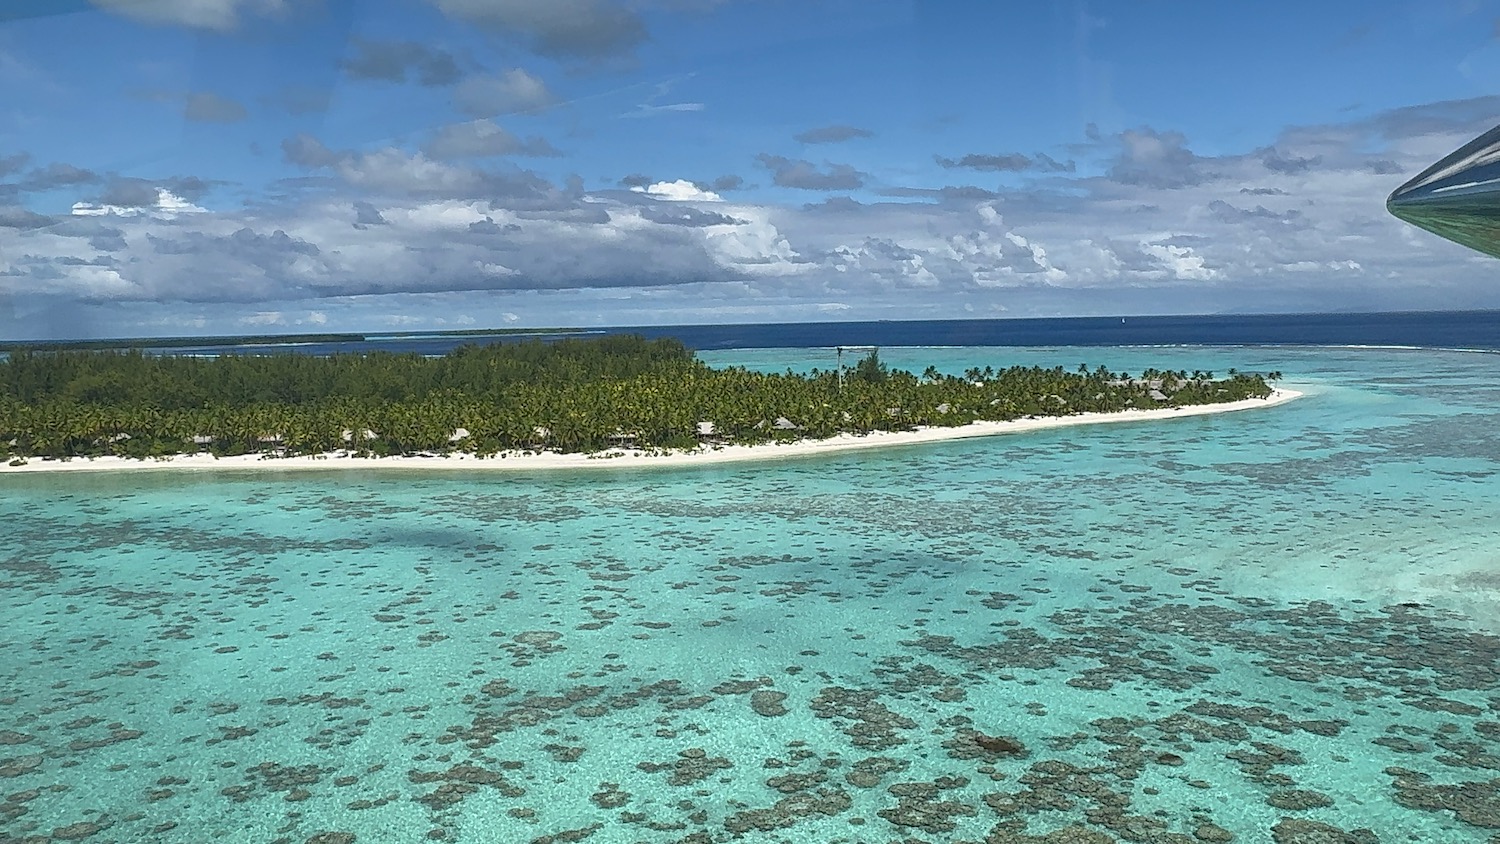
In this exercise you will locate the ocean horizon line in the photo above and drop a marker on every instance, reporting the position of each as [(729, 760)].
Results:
[(378, 335)]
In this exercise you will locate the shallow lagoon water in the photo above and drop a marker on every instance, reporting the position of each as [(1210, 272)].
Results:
[(1265, 624)]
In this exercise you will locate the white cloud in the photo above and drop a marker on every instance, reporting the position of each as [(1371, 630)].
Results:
[(1180, 262), (490, 268), (393, 170), (168, 205), (886, 262), (681, 191), (1286, 227), (756, 246), (171, 204)]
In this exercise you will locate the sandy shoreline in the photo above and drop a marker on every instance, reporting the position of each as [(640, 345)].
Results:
[(622, 458)]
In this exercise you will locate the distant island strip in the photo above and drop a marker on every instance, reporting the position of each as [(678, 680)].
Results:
[(272, 339), (612, 400)]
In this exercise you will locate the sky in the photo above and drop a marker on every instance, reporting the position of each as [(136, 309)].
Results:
[(191, 167)]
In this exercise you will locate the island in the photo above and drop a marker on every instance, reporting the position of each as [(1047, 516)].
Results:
[(274, 340), (557, 403)]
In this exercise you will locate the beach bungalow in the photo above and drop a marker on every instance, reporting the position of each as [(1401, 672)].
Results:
[(708, 434), (539, 436), (781, 424), (623, 439)]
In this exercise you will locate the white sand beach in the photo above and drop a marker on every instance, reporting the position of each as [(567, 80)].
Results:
[(618, 458)]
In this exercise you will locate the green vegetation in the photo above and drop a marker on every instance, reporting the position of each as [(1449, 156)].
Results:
[(573, 395)]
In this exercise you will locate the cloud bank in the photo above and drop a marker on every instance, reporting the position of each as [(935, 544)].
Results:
[(1141, 223)]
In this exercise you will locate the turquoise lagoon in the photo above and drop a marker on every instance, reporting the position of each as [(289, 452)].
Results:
[(1271, 625)]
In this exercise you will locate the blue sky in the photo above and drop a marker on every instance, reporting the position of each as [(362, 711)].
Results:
[(178, 167)]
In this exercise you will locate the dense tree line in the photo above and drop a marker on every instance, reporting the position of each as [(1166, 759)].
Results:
[(573, 395)]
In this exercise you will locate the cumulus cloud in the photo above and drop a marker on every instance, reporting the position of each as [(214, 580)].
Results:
[(398, 61), (1154, 159), (1180, 263), (482, 139), (393, 171), (885, 260), (131, 199), (680, 191), (1158, 227), (219, 15), (171, 194), (834, 134), (513, 91), (568, 29), (805, 175), (411, 240)]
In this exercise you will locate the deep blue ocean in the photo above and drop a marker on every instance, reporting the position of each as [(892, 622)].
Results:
[(1429, 329)]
